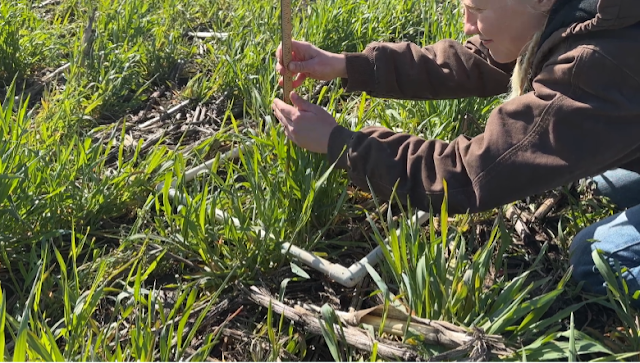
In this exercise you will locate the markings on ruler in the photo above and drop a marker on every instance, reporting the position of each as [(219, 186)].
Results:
[(285, 25)]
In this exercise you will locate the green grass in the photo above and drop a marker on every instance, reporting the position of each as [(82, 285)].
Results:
[(96, 264)]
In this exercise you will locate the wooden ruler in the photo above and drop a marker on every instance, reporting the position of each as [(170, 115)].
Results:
[(285, 25)]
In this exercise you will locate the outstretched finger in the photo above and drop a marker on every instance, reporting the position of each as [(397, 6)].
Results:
[(287, 130), (297, 82), (279, 53), (288, 112), (285, 122), (281, 82)]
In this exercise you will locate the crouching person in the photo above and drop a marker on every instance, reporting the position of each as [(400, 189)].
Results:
[(571, 69)]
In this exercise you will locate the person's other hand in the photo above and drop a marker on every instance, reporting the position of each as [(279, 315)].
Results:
[(309, 61), (306, 124)]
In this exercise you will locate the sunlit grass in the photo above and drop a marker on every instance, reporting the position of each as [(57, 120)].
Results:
[(89, 250)]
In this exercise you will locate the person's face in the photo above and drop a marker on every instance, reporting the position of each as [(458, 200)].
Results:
[(505, 26)]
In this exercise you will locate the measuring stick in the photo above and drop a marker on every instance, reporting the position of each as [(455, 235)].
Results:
[(285, 25)]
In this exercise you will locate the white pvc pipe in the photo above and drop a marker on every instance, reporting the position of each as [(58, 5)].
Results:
[(348, 277), (345, 276), (206, 166)]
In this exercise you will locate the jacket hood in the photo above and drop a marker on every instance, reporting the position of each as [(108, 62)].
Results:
[(565, 13), (581, 16), (574, 17)]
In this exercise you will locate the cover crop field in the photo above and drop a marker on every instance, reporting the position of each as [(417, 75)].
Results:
[(105, 100)]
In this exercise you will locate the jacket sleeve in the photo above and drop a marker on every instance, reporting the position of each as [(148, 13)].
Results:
[(444, 70), (572, 125)]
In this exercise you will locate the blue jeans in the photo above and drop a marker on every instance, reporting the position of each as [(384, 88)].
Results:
[(618, 236)]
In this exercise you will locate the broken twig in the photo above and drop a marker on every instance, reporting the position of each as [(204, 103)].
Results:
[(515, 216), (170, 112), (546, 206), (355, 337), (40, 85), (472, 342)]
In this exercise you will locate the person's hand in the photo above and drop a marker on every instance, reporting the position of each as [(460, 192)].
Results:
[(306, 124), (309, 61)]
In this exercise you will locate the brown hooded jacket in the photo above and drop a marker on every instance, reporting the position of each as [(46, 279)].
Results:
[(581, 119)]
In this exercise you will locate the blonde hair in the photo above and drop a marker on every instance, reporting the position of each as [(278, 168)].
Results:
[(522, 71)]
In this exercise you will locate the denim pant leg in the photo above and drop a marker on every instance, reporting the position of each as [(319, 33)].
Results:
[(618, 236), (621, 186)]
